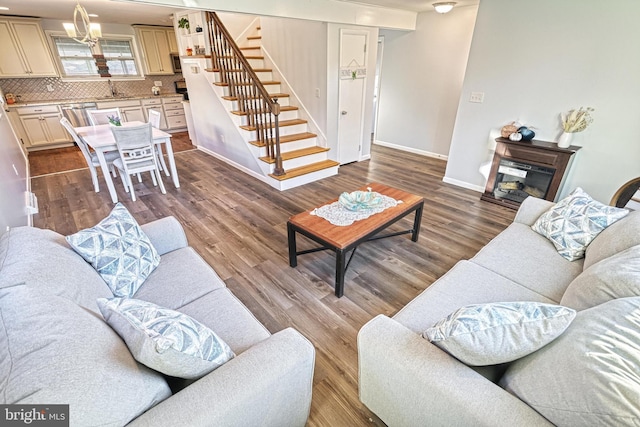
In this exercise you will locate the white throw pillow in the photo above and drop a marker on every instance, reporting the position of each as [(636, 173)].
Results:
[(165, 340), (119, 250), (489, 334), (589, 376), (575, 221)]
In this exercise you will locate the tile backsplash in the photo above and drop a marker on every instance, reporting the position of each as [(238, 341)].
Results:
[(35, 89)]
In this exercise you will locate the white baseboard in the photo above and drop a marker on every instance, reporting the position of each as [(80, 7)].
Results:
[(463, 184), (236, 165), (411, 150)]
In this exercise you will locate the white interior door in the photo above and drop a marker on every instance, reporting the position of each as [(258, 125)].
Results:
[(353, 59)]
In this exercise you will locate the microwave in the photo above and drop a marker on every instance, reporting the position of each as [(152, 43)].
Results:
[(175, 63)]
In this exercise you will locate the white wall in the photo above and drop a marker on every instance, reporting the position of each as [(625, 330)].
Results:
[(421, 81), (535, 60), (14, 178), (299, 50)]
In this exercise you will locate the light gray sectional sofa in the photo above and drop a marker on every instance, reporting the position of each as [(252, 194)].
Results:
[(408, 381), (55, 347)]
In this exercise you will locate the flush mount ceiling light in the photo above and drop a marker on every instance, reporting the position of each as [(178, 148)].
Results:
[(444, 7), (87, 32)]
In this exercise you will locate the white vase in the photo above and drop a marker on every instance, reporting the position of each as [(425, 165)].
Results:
[(565, 140)]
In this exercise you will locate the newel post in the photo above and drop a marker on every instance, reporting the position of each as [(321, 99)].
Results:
[(278, 169)]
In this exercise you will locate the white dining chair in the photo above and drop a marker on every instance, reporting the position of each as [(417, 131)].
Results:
[(90, 156), (137, 155), (154, 119), (101, 117)]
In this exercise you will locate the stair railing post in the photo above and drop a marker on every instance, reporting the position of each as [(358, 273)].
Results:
[(278, 169)]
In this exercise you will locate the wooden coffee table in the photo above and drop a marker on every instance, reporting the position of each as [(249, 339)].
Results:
[(342, 239)]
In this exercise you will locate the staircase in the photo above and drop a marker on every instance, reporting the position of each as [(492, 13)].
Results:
[(289, 154)]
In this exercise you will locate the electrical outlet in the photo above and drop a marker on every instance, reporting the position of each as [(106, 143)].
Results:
[(50, 88), (477, 97), (222, 138), (317, 92), (157, 83)]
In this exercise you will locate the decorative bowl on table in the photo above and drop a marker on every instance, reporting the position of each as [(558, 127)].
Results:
[(360, 200)]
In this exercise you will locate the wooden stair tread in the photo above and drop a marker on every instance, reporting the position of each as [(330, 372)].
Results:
[(282, 108), (303, 170), (250, 47), (282, 123), (245, 56), (211, 70), (254, 37), (287, 138), (272, 95), (257, 70), (294, 154)]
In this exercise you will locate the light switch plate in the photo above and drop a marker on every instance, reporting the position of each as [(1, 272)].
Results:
[(477, 97)]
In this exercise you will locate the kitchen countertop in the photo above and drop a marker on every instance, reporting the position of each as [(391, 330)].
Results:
[(79, 100)]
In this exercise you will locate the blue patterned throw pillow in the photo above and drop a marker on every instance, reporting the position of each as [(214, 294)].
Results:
[(165, 340), (489, 334), (575, 221), (119, 251)]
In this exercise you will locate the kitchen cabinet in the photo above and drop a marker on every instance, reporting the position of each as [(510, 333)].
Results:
[(130, 109), (174, 112), (24, 51), (154, 104), (40, 127), (156, 48)]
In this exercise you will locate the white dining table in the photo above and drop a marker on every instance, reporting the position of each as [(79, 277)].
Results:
[(101, 139)]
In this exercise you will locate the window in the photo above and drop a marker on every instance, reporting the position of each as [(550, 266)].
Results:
[(76, 59)]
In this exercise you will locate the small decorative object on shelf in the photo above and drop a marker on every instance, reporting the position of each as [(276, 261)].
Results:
[(515, 136), (572, 122), (189, 51), (198, 29), (527, 133), (114, 120)]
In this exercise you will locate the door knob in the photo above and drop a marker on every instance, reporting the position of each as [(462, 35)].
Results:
[(344, 113)]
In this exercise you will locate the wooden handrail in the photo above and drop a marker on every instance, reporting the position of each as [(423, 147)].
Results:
[(261, 109)]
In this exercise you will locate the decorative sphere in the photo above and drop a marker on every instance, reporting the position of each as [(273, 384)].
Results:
[(527, 134), (516, 136)]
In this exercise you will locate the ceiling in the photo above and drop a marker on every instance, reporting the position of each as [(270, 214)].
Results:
[(139, 13)]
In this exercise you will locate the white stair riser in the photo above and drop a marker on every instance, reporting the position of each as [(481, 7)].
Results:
[(284, 130), (291, 146), (233, 105), (256, 63), (304, 179), (252, 42), (304, 160), (284, 115)]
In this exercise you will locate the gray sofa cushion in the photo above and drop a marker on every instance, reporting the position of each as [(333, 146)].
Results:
[(617, 237), (589, 375), (60, 353), (165, 340), (615, 277), (525, 257), (182, 277), (466, 283), (221, 311), (43, 260)]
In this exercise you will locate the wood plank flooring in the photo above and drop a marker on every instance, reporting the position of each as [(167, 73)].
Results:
[(238, 225)]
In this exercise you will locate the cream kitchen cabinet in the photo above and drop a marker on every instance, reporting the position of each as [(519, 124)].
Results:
[(174, 112), (130, 109), (156, 48), (154, 104), (24, 51), (39, 127)]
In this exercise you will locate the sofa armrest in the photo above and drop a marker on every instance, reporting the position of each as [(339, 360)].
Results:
[(267, 385), (407, 381), (166, 234), (530, 209)]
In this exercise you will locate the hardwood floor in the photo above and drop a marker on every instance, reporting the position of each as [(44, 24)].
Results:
[(238, 225), (66, 159)]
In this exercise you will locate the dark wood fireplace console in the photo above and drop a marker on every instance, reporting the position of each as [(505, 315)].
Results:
[(526, 168)]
